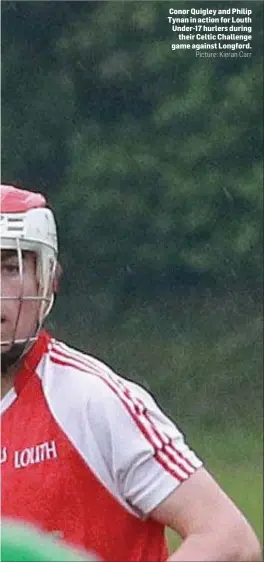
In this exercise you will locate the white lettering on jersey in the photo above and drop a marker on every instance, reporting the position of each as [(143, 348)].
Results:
[(35, 455), (3, 454)]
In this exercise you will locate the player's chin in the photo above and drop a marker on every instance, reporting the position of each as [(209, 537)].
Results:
[(5, 347)]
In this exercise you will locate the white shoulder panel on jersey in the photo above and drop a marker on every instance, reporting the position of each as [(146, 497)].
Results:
[(121, 433), (8, 399)]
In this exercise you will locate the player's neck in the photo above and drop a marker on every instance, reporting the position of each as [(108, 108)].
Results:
[(7, 381)]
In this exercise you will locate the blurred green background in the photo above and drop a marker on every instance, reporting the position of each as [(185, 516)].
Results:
[(152, 160)]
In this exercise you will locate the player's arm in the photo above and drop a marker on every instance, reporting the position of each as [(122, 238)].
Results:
[(212, 527), (161, 477)]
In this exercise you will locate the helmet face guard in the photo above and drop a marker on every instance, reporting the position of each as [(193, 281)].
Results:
[(27, 225)]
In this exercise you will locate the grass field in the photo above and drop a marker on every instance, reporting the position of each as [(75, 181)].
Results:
[(235, 460)]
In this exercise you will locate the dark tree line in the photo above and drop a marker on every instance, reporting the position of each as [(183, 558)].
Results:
[(152, 159)]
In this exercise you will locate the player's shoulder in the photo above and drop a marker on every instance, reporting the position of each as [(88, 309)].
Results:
[(87, 377)]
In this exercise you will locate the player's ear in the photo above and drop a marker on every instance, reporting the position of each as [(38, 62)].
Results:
[(57, 278)]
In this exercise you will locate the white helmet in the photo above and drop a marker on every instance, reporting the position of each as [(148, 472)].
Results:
[(27, 224)]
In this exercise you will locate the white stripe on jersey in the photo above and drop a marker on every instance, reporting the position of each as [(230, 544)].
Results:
[(91, 362), (174, 469)]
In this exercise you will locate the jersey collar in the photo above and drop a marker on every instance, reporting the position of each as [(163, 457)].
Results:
[(31, 360)]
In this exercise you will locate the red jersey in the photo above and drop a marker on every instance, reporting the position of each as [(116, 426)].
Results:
[(87, 454)]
